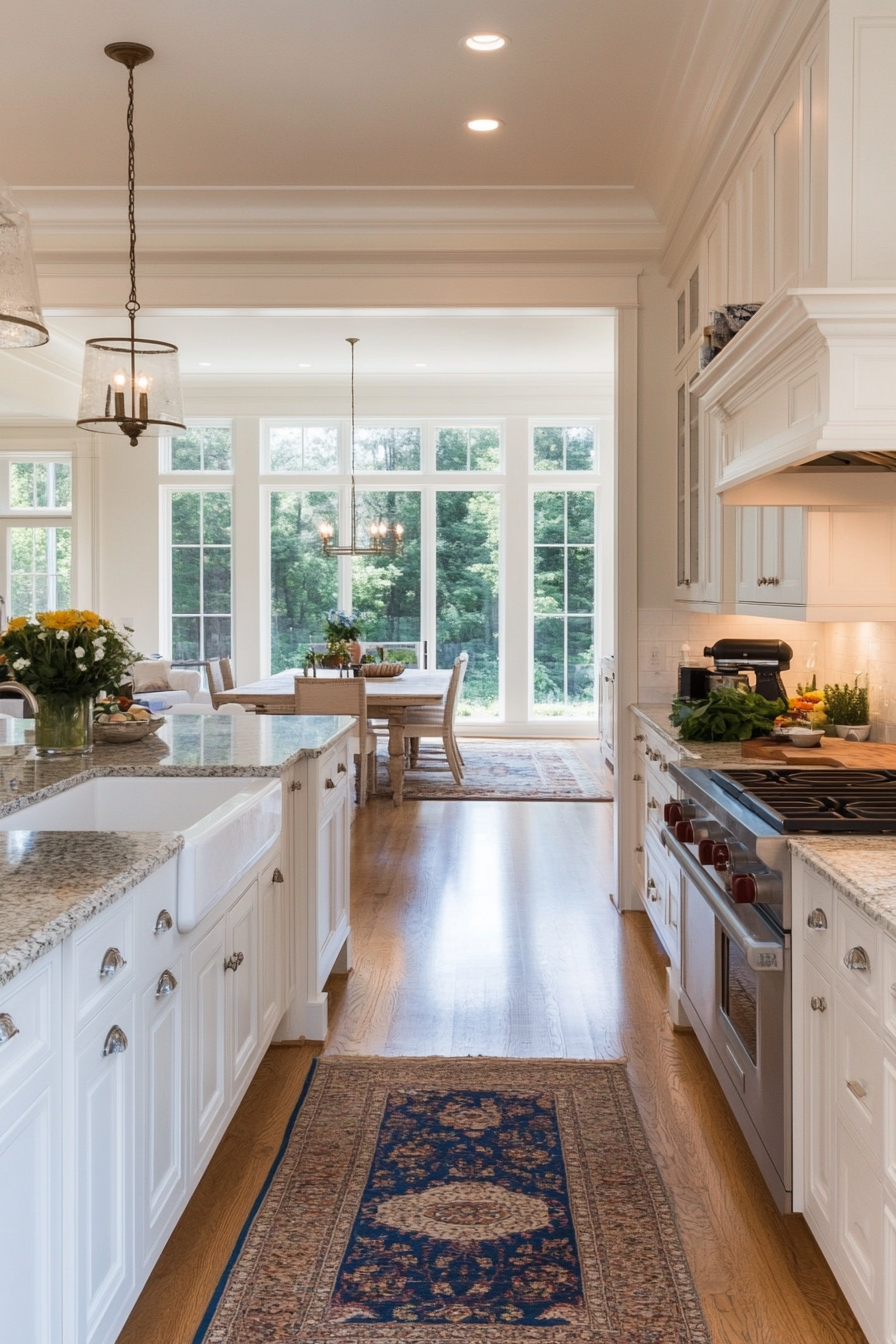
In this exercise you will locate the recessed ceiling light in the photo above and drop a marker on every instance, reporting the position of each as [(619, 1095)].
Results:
[(419, 366), (485, 42), (304, 366), (205, 364), (484, 124)]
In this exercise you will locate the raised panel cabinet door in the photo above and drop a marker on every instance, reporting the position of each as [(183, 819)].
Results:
[(749, 557), (789, 570), (272, 915), (860, 1219), (160, 1123), (332, 886), (818, 1084), (206, 1067), (104, 1082), (242, 978), (786, 208), (31, 1205)]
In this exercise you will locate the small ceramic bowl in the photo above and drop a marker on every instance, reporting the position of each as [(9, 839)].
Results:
[(853, 732), (806, 737)]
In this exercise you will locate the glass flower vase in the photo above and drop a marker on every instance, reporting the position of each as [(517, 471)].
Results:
[(63, 725)]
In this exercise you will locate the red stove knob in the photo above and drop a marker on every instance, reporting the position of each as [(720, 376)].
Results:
[(672, 812), (743, 889), (720, 857), (684, 832), (705, 852)]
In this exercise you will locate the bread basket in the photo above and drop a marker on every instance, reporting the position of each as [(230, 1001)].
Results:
[(382, 669)]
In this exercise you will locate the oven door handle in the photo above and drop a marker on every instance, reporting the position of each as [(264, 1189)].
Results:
[(764, 952)]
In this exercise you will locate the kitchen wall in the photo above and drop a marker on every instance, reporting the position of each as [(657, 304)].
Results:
[(867, 647)]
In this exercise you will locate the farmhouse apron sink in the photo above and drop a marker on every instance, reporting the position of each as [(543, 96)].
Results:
[(227, 824)]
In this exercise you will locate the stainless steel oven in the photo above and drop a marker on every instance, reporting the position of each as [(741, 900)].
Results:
[(735, 976)]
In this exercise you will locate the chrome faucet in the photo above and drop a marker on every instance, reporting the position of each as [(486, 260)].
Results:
[(28, 696)]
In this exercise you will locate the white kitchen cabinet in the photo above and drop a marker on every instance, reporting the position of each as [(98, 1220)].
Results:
[(207, 1070), (606, 710), (273, 932), (845, 1096), (103, 1173), (161, 1128), (241, 971), (332, 869), (771, 557), (31, 1307)]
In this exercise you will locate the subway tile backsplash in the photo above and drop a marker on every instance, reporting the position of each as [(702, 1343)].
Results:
[(834, 651)]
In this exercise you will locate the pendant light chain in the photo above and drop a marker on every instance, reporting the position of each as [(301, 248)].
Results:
[(132, 305)]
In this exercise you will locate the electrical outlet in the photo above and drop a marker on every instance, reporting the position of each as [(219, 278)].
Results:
[(656, 658)]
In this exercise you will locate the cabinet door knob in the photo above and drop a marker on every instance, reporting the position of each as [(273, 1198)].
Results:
[(818, 1003), (167, 985), (8, 1028), (340, 769), (639, 737), (664, 767), (856, 1088), (112, 963), (856, 959), (636, 779), (329, 784), (652, 803), (639, 849), (164, 922), (116, 1042), (235, 962), (295, 786), (817, 919), (276, 875)]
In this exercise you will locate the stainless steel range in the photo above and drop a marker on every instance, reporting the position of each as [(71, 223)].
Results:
[(728, 835)]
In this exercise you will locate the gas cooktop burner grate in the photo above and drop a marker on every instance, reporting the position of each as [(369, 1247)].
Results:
[(794, 800)]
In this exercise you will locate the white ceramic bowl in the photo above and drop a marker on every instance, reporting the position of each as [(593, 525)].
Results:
[(853, 732), (806, 737)]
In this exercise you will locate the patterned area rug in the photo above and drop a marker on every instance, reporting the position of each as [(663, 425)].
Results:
[(460, 1201), (535, 771)]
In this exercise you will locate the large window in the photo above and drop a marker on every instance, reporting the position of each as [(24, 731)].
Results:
[(387, 589), (205, 447), (304, 582), (201, 574), (40, 569), (40, 485), (468, 557), (563, 602), (468, 448), (387, 448), (564, 448), (303, 447)]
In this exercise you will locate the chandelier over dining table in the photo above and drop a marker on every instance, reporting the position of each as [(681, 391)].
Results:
[(385, 538), (131, 385)]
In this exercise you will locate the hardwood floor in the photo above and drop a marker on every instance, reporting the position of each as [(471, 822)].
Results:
[(485, 928)]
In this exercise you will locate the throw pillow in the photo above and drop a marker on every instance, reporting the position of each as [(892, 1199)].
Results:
[(153, 674)]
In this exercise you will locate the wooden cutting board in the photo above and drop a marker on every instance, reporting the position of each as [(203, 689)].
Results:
[(831, 751)]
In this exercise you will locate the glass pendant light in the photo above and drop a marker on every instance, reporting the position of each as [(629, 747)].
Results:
[(131, 385), (385, 538), (21, 320)]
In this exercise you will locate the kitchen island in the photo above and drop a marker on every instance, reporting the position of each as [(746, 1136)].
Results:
[(129, 1033)]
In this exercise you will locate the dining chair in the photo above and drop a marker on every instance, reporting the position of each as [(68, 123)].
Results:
[(227, 674), (348, 696), (439, 722), (215, 678)]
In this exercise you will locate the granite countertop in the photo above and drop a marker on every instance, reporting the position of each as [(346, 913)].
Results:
[(51, 882), (186, 744), (713, 754), (861, 867), (54, 881)]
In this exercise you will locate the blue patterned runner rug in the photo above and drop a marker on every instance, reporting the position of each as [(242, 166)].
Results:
[(459, 1201)]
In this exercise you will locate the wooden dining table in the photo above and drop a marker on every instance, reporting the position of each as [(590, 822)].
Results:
[(390, 698)]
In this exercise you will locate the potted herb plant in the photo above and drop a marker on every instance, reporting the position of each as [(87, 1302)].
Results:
[(342, 630), (848, 710)]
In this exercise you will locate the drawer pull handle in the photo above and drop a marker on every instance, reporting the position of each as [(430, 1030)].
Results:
[(652, 803), (112, 963), (636, 779), (340, 769), (329, 784), (639, 737), (856, 959), (856, 1088), (818, 1003), (167, 985), (164, 922), (817, 919), (276, 875), (8, 1028), (295, 786), (116, 1042), (235, 962), (639, 849)]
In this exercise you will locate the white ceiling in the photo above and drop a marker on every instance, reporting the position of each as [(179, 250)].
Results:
[(342, 92), (447, 344)]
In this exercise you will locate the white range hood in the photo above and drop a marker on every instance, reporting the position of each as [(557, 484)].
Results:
[(811, 376)]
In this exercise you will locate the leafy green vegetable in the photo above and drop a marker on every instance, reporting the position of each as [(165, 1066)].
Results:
[(725, 716)]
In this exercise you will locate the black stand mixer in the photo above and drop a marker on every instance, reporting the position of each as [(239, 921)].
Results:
[(765, 658)]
